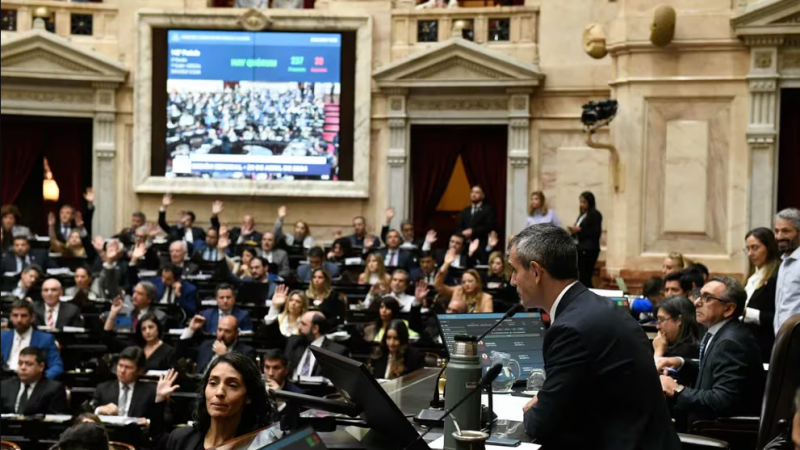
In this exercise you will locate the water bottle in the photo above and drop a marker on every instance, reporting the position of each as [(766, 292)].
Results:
[(463, 375)]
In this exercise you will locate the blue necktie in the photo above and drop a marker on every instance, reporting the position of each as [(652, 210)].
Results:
[(703, 345)]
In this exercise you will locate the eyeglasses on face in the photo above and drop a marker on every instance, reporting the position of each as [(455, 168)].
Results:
[(705, 297), (661, 320)]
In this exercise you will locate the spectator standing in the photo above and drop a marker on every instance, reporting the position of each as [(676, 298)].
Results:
[(540, 212), (761, 282), (787, 294), (586, 232)]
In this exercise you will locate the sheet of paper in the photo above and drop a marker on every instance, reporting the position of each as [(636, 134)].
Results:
[(57, 418), (117, 420), (507, 407), (438, 444)]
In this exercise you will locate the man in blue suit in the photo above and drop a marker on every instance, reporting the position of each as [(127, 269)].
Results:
[(226, 306), (316, 260), (23, 335)]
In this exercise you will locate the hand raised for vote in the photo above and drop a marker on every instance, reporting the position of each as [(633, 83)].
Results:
[(98, 243), (108, 410), (449, 257), (493, 239), (166, 385), (138, 252), (166, 200), (224, 242), (282, 212), (430, 238), (152, 229), (473, 246), (369, 241), (216, 207), (219, 348), (197, 322), (89, 195), (78, 219), (279, 298), (51, 219), (531, 403), (389, 215), (421, 291), (116, 306)]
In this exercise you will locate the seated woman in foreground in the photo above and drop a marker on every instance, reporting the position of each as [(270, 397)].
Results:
[(396, 357)]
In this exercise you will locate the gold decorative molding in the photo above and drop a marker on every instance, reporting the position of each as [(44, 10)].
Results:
[(790, 60), (763, 60), (47, 96), (254, 20), (45, 55), (466, 104), (461, 62)]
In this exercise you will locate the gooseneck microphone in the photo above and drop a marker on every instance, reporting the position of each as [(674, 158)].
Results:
[(510, 313), (485, 381)]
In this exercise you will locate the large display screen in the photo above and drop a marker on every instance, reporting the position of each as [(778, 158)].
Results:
[(253, 105)]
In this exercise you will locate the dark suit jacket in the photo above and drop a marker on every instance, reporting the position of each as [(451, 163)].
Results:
[(591, 229), (730, 380), (413, 360), (176, 232), (296, 346), (48, 397), (88, 213), (304, 271), (116, 275), (404, 258), (763, 299), (212, 319), (203, 353), (281, 259), (142, 403), (602, 390), (37, 256), (187, 300), (482, 223), (235, 233), (68, 315), (416, 242), (54, 367)]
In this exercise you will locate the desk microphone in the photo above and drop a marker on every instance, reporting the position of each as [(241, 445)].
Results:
[(486, 380), (510, 313)]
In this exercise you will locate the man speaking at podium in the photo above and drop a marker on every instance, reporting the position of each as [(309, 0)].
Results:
[(602, 390)]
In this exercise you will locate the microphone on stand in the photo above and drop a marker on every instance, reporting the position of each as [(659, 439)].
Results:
[(509, 314), (486, 380)]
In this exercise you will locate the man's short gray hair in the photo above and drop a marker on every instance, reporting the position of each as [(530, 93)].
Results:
[(549, 246), (142, 229), (790, 215), (183, 245), (149, 290), (734, 293)]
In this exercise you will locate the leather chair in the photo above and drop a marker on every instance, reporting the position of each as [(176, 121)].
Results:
[(783, 380), (7, 445)]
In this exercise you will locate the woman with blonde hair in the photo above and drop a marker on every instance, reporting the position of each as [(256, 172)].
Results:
[(470, 290), (539, 212), (287, 308), (322, 297), (674, 262), (374, 271)]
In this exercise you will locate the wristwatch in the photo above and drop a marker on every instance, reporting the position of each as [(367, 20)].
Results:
[(679, 388)]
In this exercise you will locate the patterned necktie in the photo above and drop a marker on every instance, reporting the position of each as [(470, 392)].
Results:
[(23, 400), (392, 259), (50, 319), (703, 345), (123, 403), (306, 369)]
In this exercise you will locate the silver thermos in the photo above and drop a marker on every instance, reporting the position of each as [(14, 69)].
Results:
[(463, 376)]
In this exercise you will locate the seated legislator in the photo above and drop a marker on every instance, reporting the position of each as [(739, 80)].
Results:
[(388, 312), (11, 227), (226, 306), (259, 271), (83, 436), (313, 327), (324, 298), (226, 341), (85, 285), (276, 372), (316, 260), (231, 403), (24, 335), (394, 255), (27, 280), (396, 357), (397, 289), (31, 393), (241, 269), (141, 301), (113, 268), (287, 309), (409, 241), (374, 271), (470, 290), (360, 237), (22, 256), (207, 250), (676, 283), (243, 236), (170, 288), (679, 334), (300, 237), (275, 255), (426, 271), (185, 230), (52, 312), (601, 391), (147, 336), (729, 376)]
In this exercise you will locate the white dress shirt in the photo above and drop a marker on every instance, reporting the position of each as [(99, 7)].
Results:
[(752, 315), (558, 300), (31, 387), (268, 256), (123, 410), (20, 342), (47, 311), (188, 236), (317, 343)]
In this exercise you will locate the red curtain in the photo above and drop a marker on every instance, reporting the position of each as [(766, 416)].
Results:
[(433, 157), (484, 157), (63, 152), (21, 147)]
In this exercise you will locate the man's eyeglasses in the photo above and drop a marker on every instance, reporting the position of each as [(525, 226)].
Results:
[(705, 297)]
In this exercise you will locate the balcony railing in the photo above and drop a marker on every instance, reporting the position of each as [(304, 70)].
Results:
[(90, 20), (509, 29)]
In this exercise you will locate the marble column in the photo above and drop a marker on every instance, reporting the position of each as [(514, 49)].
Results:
[(762, 134), (397, 154), (518, 159), (104, 150)]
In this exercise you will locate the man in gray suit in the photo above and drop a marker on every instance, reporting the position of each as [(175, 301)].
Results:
[(275, 255)]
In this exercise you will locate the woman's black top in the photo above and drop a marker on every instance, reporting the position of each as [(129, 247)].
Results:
[(685, 348), (763, 299), (186, 438), (413, 360), (163, 358), (333, 308), (591, 229)]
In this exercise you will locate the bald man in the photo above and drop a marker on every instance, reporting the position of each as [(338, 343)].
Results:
[(227, 340), (313, 327), (52, 312), (457, 306)]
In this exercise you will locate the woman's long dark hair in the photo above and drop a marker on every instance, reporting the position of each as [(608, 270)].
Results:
[(680, 306), (256, 414), (392, 304), (589, 197), (401, 329), (773, 263), (152, 318)]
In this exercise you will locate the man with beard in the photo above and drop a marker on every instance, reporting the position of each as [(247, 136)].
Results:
[(313, 327), (478, 219), (787, 293), (23, 335), (226, 340), (599, 363)]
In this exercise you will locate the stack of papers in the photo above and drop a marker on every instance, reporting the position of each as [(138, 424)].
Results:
[(439, 444)]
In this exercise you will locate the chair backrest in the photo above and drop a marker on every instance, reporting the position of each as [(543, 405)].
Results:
[(431, 359), (783, 380), (120, 446), (6, 445)]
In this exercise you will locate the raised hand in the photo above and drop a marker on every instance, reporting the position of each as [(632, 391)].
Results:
[(421, 291), (449, 257), (98, 243), (89, 195), (197, 322), (224, 241), (389, 215), (282, 212), (138, 252), (112, 252), (473, 246), (279, 298), (152, 229), (369, 241), (219, 348), (245, 229), (216, 207), (430, 238), (166, 385), (494, 239), (166, 200), (51, 219), (116, 306), (176, 288), (78, 219)]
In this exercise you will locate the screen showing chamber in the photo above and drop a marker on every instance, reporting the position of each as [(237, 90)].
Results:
[(253, 105), (521, 336)]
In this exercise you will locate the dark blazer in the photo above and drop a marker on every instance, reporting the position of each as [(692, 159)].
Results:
[(88, 213), (37, 256), (413, 360), (763, 299), (356, 242), (416, 242), (481, 223), (404, 258), (602, 390), (296, 346), (68, 315), (142, 403), (186, 438), (117, 274), (730, 380), (54, 367), (187, 300), (176, 232), (281, 259), (304, 271), (333, 308), (204, 353), (591, 229), (288, 386), (235, 233), (48, 397), (161, 359), (212, 319)]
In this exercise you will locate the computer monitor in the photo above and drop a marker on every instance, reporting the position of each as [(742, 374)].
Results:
[(522, 336), (357, 385), (622, 305)]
